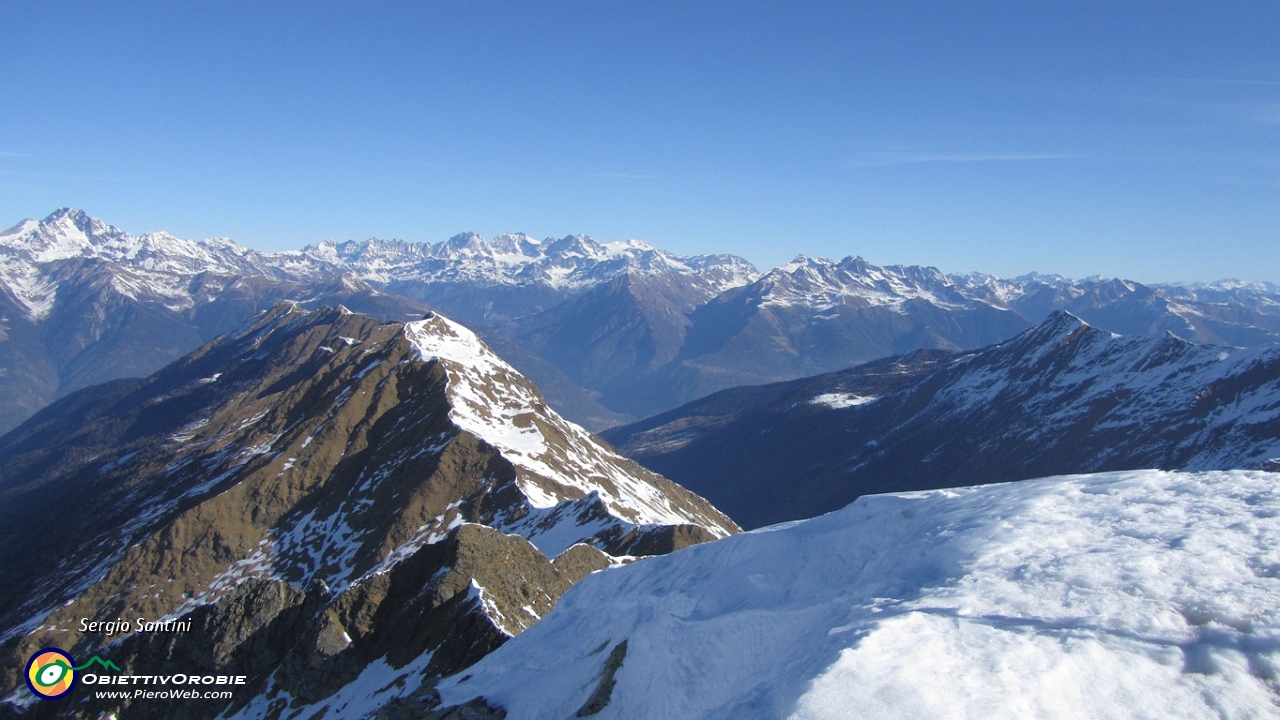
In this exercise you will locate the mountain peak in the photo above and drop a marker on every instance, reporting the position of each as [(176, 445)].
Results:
[(1058, 330), (569, 245), (75, 221), (339, 463), (1061, 322), (75, 215), (466, 241)]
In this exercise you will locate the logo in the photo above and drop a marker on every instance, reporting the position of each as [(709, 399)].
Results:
[(51, 673)]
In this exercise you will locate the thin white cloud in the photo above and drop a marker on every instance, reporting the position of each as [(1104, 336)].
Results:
[(887, 159)]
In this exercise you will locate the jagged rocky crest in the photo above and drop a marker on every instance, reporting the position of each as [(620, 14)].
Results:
[(322, 493)]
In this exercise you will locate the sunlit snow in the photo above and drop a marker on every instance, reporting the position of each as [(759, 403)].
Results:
[(836, 401), (1132, 594)]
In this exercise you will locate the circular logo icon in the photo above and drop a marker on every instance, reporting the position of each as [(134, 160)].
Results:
[(51, 673)]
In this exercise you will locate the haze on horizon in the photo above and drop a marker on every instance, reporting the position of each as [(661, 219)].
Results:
[(1140, 141)]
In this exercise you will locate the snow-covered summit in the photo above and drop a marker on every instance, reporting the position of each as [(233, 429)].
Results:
[(1135, 594), (70, 233), (822, 283), (556, 461), (567, 263), (159, 264), (36, 257)]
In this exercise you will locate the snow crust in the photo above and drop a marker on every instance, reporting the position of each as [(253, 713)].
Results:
[(1132, 594)]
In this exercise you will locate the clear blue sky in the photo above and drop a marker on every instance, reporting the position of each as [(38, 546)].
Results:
[(1135, 139)]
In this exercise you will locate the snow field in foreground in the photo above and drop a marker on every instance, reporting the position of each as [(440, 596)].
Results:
[(1131, 594)]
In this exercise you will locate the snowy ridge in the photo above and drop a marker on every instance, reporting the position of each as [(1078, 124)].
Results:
[(399, 485), (159, 264), (165, 267), (1138, 380), (569, 263), (1119, 595), (822, 284), (1065, 397), (154, 264), (378, 684), (556, 460)]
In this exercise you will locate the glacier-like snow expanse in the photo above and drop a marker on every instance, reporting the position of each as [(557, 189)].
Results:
[(1143, 594)]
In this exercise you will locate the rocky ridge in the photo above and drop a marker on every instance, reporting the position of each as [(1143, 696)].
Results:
[(321, 493)]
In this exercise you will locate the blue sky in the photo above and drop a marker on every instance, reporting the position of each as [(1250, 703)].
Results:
[(1139, 140)]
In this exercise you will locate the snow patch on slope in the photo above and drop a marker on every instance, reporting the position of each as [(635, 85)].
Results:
[(838, 401)]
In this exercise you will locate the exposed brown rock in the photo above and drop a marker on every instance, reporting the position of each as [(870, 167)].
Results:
[(300, 491)]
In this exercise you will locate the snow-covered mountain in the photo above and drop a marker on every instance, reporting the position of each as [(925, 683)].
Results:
[(1138, 594), (317, 491), (1063, 397), (153, 264), (612, 332), (1224, 313), (573, 262), (82, 302), (816, 315)]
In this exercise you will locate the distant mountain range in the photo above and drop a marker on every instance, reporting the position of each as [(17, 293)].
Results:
[(318, 492), (612, 332), (1064, 397)]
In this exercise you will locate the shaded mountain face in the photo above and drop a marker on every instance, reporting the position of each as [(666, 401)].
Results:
[(1061, 398), (319, 493), (815, 316)]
